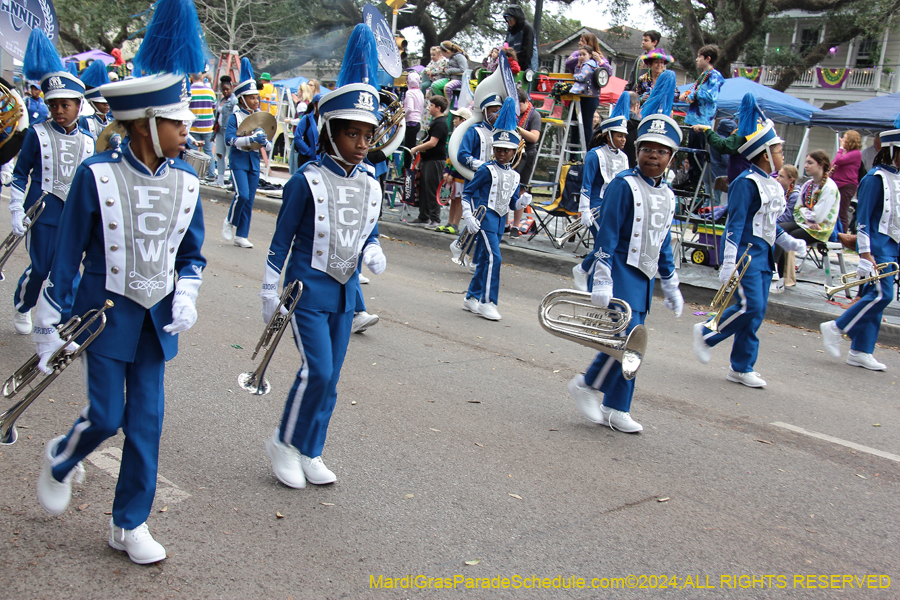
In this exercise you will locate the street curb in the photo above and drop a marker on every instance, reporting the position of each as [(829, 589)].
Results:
[(780, 312)]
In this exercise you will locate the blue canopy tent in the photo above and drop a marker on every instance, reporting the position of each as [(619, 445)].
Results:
[(292, 84), (778, 106), (868, 117)]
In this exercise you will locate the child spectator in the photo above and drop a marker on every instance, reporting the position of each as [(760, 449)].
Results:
[(413, 105), (513, 61), (434, 155), (451, 176), (584, 87), (436, 71), (492, 60), (458, 62)]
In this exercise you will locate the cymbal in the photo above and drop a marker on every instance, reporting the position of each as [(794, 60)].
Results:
[(259, 120), (110, 130)]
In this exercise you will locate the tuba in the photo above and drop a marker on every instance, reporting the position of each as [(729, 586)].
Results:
[(391, 128), (12, 110), (570, 315)]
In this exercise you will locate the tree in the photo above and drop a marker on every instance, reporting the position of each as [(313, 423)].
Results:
[(100, 24)]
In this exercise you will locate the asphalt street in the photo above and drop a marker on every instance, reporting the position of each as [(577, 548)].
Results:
[(459, 454)]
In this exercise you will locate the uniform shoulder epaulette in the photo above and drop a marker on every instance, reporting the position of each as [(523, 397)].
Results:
[(108, 156), (180, 164)]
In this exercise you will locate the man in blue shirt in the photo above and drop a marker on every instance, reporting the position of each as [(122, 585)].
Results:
[(35, 105)]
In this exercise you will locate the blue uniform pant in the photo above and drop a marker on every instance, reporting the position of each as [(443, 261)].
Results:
[(588, 263), (241, 211), (129, 395), (322, 338), (863, 320), (360, 302), (742, 320), (605, 374), (41, 243), (485, 284)]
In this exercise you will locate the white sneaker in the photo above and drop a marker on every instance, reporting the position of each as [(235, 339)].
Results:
[(702, 350), (227, 231), (455, 251), (285, 462), (586, 399), (489, 311), (619, 420), (751, 379), (472, 267), (471, 304), (316, 472), (363, 278), (580, 275), (831, 338), (242, 242), (864, 360), (22, 322), (362, 321), (138, 543), (53, 495), (777, 286)]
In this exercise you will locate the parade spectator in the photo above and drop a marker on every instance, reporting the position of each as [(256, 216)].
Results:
[(223, 111), (268, 97), (868, 155), (590, 40), (513, 60), (703, 97), (35, 105), (815, 212), (846, 173), (634, 120), (787, 177), (203, 101), (306, 136), (520, 37), (649, 42), (492, 60), (434, 155), (454, 178), (436, 71), (584, 87), (655, 62), (457, 63), (413, 106)]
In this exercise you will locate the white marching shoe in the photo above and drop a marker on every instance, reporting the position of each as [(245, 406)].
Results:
[(750, 379), (586, 399), (138, 543), (242, 242), (363, 278), (285, 462), (702, 350), (471, 304), (831, 338), (864, 360), (54, 495), (227, 231), (362, 321), (316, 472), (619, 420), (581, 278), (22, 322), (489, 311), (472, 268)]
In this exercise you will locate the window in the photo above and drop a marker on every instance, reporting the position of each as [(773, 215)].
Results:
[(866, 54), (809, 39)]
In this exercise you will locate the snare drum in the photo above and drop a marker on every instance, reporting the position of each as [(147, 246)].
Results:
[(198, 160)]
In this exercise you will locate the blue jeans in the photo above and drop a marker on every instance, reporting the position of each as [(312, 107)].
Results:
[(207, 149)]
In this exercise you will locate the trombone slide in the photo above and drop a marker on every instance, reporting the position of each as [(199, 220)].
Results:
[(461, 248)]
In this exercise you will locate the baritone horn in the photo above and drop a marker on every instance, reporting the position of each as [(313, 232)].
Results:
[(12, 240), (11, 112), (851, 280), (569, 314), (255, 382), (69, 332), (463, 245), (391, 129), (723, 297), (574, 228)]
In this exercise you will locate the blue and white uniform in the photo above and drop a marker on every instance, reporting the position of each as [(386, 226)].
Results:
[(632, 245), (45, 169), (755, 201), (244, 164), (600, 167), (878, 233), (133, 231), (476, 147)]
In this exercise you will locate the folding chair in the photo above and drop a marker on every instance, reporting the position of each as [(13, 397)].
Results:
[(563, 210), (818, 254)]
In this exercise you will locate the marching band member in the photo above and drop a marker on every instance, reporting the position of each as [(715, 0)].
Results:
[(243, 161), (633, 244), (878, 241), (496, 187), (600, 166), (134, 222), (328, 222), (94, 77), (755, 201), (46, 165)]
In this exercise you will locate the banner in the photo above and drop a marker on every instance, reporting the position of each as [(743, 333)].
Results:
[(831, 78), (19, 17), (751, 73)]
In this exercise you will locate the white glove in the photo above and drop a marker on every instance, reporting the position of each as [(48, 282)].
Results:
[(866, 268), (373, 257), (269, 304), (472, 224), (20, 222), (725, 272), (587, 219), (6, 173), (798, 247), (184, 314), (602, 294), (243, 142), (674, 300), (523, 201), (45, 350)]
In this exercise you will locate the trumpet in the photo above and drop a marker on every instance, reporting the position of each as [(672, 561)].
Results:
[(851, 280), (12, 240), (723, 297), (69, 332), (574, 228), (570, 315), (255, 382), (460, 249)]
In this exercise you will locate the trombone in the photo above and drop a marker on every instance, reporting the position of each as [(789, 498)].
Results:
[(255, 382), (570, 315), (460, 249), (574, 228), (12, 240), (69, 332), (851, 280), (723, 297)]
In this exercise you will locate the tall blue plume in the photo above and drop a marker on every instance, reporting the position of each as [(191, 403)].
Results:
[(72, 68), (41, 56), (897, 122), (95, 75), (173, 41), (360, 64), (506, 118), (622, 107), (246, 70), (662, 96), (748, 115)]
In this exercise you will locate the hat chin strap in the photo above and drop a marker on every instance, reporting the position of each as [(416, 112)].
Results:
[(80, 102), (154, 137), (337, 155)]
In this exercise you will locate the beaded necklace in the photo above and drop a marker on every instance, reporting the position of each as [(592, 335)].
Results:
[(809, 196), (700, 81)]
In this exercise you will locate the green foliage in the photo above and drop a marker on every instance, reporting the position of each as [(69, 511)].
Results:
[(99, 24)]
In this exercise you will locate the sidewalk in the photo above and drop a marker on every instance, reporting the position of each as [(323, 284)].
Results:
[(803, 305)]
